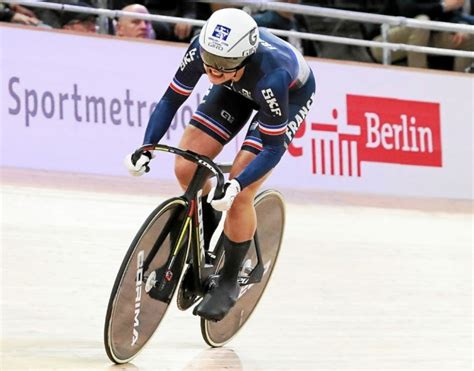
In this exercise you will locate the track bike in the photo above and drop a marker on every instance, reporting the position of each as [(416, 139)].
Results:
[(167, 259)]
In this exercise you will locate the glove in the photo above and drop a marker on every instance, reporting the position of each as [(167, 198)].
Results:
[(231, 190), (140, 166)]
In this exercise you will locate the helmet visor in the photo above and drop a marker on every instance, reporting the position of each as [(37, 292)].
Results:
[(221, 64)]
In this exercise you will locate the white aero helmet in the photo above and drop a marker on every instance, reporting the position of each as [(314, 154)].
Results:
[(227, 39)]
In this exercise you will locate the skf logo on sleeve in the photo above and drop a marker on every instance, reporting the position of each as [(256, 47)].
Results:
[(188, 58), (271, 101), (221, 32)]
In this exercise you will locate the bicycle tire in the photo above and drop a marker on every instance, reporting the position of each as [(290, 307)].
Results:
[(270, 209), (132, 315)]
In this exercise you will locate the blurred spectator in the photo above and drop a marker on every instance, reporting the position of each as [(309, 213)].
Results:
[(177, 8), (446, 11), (53, 18), (79, 22), (403, 35), (338, 27), (287, 21), (134, 27), (17, 14)]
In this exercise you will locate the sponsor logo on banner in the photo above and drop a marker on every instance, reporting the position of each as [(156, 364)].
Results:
[(382, 130)]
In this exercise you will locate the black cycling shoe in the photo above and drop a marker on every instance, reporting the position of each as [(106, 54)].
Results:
[(219, 301)]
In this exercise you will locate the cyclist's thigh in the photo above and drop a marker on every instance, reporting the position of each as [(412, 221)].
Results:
[(222, 114), (200, 142)]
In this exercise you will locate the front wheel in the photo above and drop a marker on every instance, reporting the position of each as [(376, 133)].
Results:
[(270, 210), (132, 315)]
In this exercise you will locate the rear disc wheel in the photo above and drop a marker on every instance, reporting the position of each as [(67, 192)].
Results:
[(270, 211)]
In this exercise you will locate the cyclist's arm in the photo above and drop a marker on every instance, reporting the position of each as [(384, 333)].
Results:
[(178, 91), (272, 96)]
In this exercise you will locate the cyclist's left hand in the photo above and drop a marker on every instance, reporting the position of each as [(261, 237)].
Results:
[(231, 190)]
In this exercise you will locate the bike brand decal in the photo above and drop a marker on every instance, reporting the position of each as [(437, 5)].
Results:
[(188, 58), (200, 218), (205, 164), (378, 129), (138, 295), (271, 101)]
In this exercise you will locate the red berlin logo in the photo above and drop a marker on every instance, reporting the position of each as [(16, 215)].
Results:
[(384, 130)]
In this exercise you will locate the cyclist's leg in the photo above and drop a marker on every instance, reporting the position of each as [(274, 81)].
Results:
[(239, 228), (216, 121), (197, 141), (240, 224), (241, 220)]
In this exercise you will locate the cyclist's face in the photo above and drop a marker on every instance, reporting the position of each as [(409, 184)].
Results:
[(217, 77)]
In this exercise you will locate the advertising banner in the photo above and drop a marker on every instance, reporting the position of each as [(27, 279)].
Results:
[(78, 103)]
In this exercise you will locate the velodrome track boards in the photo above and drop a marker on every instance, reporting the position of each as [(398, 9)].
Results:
[(361, 283)]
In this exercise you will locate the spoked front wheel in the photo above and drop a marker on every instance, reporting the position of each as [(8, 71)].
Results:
[(132, 315), (270, 210)]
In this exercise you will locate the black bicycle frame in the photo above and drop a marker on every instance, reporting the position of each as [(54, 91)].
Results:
[(193, 219)]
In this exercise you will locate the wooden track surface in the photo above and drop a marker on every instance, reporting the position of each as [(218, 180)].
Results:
[(362, 283)]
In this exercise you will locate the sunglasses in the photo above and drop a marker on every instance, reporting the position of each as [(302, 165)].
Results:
[(221, 69)]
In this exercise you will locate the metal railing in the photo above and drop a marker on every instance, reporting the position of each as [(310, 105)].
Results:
[(385, 21)]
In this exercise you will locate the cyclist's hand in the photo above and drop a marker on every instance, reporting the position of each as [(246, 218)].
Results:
[(138, 166), (231, 190)]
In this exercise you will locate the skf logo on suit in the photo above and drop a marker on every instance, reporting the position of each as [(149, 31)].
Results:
[(271, 101)]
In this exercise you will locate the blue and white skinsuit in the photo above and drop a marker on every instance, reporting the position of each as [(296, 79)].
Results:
[(277, 83)]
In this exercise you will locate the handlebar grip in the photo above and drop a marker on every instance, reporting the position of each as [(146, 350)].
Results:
[(219, 193), (136, 155)]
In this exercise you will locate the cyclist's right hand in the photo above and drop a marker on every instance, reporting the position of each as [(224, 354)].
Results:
[(138, 165)]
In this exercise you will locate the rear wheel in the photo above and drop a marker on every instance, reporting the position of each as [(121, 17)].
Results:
[(132, 315), (270, 210)]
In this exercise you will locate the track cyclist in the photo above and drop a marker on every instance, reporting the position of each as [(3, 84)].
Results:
[(249, 69)]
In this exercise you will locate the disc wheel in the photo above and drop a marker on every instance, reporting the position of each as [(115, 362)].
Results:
[(270, 210), (132, 315)]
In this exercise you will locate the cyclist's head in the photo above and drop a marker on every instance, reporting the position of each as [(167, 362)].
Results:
[(227, 39)]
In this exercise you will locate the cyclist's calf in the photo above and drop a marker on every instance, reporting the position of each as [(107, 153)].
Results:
[(241, 220)]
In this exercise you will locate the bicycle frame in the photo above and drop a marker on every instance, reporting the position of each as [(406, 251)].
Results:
[(193, 223)]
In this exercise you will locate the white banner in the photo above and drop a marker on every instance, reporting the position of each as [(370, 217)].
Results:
[(79, 103)]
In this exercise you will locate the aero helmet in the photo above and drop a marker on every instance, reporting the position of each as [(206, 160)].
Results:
[(227, 39)]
